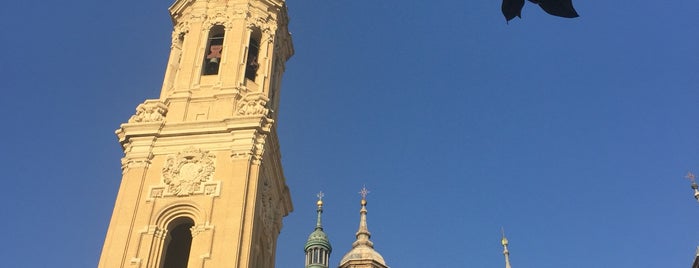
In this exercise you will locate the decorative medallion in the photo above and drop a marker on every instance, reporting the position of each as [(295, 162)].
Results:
[(186, 173)]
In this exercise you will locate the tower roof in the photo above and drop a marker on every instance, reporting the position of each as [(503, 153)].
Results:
[(318, 236), (363, 249)]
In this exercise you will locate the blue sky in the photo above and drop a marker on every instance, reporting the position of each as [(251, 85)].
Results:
[(573, 134)]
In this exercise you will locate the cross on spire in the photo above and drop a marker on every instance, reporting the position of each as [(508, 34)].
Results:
[(320, 195), (364, 192)]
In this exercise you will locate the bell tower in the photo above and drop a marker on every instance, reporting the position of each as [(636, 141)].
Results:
[(202, 182)]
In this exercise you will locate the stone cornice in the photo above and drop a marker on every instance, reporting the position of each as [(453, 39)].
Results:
[(161, 129)]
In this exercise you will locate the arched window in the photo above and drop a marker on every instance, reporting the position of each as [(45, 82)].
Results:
[(252, 64), (212, 56), (178, 243)]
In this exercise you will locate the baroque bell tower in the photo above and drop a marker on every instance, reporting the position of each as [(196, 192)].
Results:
[(202, 182)]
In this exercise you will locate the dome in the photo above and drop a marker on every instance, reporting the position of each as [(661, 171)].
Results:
[(318, 238), (363, 252)]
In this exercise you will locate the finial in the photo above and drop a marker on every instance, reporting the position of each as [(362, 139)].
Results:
[(504, 239), (363, 234), (364, 192), (320, 196), (692, 178)]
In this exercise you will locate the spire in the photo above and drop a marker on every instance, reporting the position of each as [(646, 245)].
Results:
[(505, 251), (319, 225), (318, 246), (362, 251), (363, 233)]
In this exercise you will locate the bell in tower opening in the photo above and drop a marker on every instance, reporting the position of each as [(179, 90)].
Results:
[(213, 50)]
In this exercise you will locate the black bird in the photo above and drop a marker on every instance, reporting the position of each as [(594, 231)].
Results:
[(560, 8), (512, 8)]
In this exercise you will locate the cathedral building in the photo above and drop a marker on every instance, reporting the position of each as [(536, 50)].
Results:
[(202, 181)]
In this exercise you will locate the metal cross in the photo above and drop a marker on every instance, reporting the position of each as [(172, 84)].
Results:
[(320, 195), (364, 192), (690, 176)]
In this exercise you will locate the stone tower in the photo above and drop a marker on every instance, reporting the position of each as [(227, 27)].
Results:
[(202, 183)]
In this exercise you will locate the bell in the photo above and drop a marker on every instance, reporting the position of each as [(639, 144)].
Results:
[(213, 60)]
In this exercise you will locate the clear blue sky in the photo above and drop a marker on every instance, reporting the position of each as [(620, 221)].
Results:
[(573, 134)]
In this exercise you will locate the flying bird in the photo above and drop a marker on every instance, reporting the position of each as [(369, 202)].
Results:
[(560, 8), (512, 9)]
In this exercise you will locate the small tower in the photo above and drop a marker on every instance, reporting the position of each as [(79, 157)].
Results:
[(505, 251), (363, 254), (318, 247)]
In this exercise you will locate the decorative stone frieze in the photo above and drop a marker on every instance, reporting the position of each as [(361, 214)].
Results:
[(149, 111)]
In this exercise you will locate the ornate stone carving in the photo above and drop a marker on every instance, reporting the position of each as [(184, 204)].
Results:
[(260, 19), (149, 111), (181, 29), (255, 152), (185, 173), (258, 148), (266, 124), (218, 18), (253, 104)]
